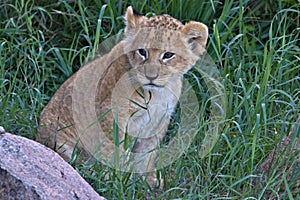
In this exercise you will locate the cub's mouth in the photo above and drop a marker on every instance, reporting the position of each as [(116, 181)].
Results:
[(152, 86)]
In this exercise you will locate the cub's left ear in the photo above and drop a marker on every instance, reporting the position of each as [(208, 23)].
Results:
[(197, 34)]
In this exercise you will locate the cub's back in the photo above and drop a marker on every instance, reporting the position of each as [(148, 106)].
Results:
[(57, 129)]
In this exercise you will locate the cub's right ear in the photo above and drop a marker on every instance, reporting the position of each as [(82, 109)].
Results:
[(132, 19)]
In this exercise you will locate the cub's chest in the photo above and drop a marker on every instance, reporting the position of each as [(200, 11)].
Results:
[(147, 112)]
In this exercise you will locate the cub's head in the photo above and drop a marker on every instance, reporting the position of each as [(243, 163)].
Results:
[(161, 49)]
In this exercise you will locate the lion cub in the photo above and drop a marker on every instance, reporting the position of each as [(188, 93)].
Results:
[(117, 108)]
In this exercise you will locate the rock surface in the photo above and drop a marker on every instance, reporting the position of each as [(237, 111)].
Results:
[(29, 170)]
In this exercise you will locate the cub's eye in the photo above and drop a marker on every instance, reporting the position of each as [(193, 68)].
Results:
[(167, 55), (142, 53)]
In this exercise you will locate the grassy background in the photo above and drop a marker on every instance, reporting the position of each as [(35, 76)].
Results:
[(255, 44)]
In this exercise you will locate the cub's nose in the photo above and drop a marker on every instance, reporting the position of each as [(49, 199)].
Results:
[(151, 77), (151, 72)]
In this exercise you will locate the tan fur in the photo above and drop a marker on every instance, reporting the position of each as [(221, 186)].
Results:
[(71, 104)]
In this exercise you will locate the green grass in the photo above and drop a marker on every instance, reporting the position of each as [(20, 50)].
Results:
[(255, 45)]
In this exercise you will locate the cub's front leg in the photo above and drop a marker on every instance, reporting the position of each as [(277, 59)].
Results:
[(147, 129)]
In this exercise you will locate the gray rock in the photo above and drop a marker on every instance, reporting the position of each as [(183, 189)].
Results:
[(29, 170)]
